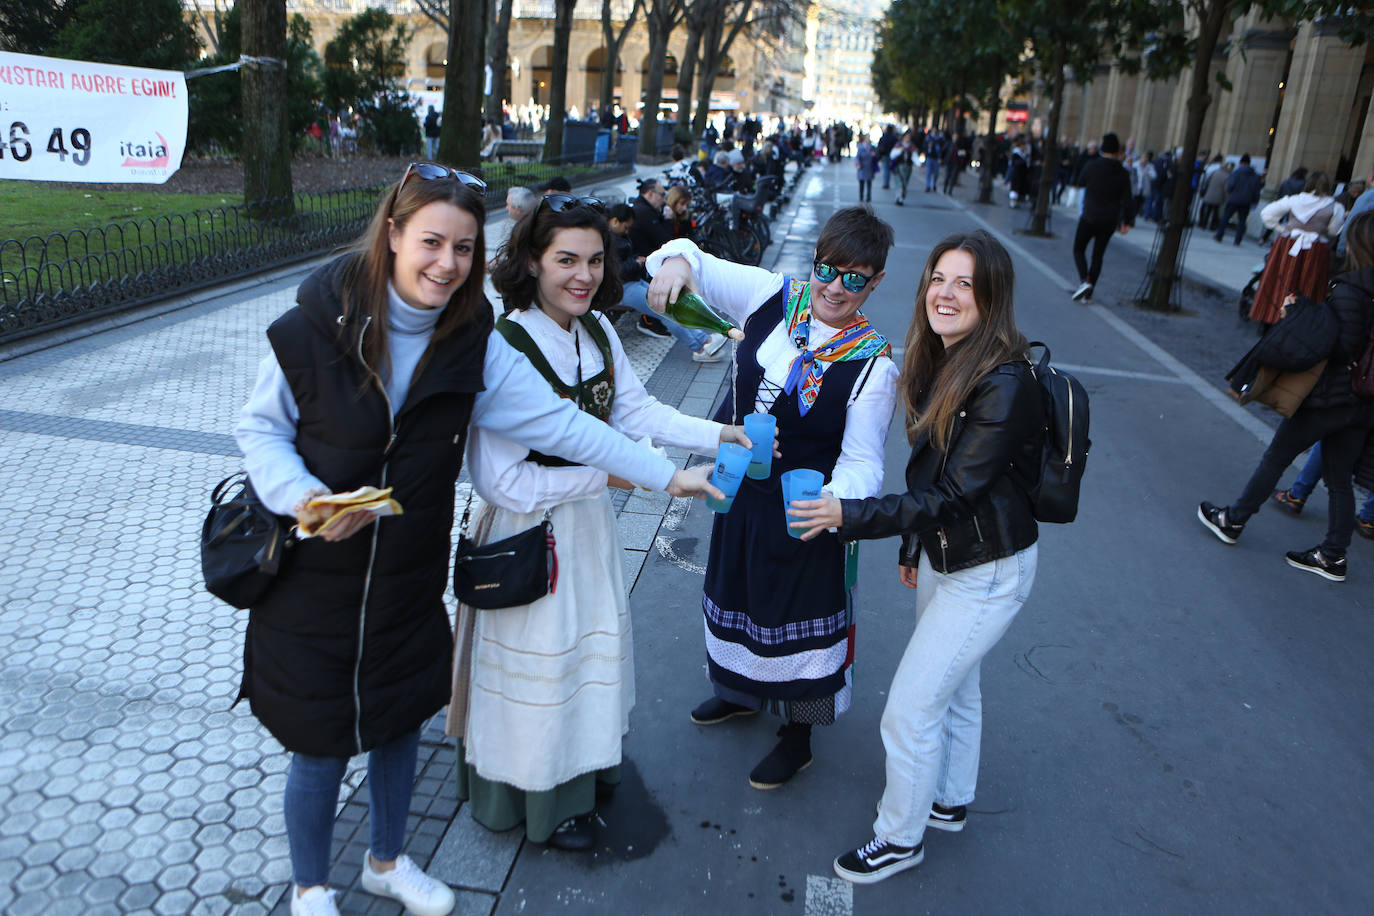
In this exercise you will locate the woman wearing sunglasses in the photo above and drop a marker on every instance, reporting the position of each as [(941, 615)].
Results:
[(542, 693), (778, 611), (973, 415), (374, 378)]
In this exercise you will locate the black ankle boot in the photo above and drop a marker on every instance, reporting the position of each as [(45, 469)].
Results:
[(789, 757)]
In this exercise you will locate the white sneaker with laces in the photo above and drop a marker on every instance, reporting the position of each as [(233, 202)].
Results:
[(712, 350), (318, 901), (417, 891)]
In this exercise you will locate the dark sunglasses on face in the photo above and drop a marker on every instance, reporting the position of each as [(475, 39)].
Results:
[(852, 280), (560, 202), (430, 171)]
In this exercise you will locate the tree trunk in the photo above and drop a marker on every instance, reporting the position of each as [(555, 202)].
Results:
[(266, 137), (1167, 266), (687, 72), (1041, 218), (990, 147), (499, 63), (460, 134), (713, 52), (653, 87), (558, 85), (613, 43)]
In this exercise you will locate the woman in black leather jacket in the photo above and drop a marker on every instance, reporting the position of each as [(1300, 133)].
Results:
[(974, 418)]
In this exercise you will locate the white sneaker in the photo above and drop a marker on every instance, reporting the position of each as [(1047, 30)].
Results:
[(416, 891), (318, 901), (1084, 289), (713, 350)]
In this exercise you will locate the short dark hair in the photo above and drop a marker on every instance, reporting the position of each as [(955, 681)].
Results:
[(1111, 144), (531, 237), (557, 183), (1245, 159), (855, 237), (622, 212)]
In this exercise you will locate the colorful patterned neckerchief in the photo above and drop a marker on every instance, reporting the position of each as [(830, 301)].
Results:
[(857, 340)]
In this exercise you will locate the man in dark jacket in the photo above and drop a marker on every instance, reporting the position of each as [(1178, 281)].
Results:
[(649, 232), (1242, 193), (1108, 206)]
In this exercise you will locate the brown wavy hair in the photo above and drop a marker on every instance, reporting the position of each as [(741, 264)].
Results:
[(935, 382), (531, 237), (1359, 242), (369, 270)]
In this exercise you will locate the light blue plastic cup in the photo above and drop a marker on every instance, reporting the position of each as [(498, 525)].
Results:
[(760, 427), (799, 484), (732, 461)]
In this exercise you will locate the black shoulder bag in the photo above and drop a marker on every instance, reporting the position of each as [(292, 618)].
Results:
[(242, 543), (511, 572)]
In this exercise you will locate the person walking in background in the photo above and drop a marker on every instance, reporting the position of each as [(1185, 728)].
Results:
[(935, 153), (864, 165), (1331, 414), (1242, 193), (1108, 207), (373, 379), (974, 419), (1018, 173), (542, 693), (1213, 194), (1295, 183), (1301, 256), (520, 201), (884, 150), (778, 612), (903, 161), (431, 133)]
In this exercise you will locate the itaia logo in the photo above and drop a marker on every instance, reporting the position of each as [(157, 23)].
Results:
[(149, 155)]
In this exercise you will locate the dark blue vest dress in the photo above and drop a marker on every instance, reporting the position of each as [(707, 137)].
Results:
[(779, 618)]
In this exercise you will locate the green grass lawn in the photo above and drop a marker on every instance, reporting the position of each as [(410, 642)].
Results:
[(36, 208)]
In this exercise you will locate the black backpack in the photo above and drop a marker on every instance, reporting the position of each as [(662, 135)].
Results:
[(1054, 497)]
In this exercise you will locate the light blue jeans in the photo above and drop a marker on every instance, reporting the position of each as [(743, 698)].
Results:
[(932, 725), (637, 297)]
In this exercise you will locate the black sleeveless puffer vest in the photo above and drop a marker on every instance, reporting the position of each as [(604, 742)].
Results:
[(352, 646)]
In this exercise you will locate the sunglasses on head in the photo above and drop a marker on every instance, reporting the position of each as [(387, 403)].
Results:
[(430, 171), (560, 202), (852, 280)]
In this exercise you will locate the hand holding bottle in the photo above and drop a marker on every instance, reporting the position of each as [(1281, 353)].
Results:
[(674, 276)]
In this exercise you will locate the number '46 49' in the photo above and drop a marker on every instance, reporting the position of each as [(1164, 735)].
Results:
[(22, 150)]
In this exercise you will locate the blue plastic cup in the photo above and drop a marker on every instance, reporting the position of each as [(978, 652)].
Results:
[(760, 427), (732, 461), (799, 484)]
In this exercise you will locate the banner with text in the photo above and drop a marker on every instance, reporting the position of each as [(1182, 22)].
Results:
[(70, 120)]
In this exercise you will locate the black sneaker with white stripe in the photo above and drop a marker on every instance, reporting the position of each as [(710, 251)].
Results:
[(876, 860), (951, 819)]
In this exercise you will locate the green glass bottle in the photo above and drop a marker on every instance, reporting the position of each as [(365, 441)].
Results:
[(690, 311)]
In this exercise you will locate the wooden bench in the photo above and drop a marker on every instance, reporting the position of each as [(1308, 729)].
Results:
[(516, 149)]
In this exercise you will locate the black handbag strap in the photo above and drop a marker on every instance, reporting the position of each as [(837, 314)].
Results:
[(547, 521)]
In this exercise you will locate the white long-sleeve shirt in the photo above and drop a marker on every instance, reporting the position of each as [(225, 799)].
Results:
[(502, 475), (739, 291), (517, 402)]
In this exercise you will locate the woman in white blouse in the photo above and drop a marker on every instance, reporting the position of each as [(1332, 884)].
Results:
[(779, 614), (1300, 260), (542, 693)]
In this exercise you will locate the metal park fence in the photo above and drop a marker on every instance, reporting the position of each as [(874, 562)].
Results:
[(47, 282)]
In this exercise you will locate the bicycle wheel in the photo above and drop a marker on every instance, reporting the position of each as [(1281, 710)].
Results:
[(748, 245), (719, 241)]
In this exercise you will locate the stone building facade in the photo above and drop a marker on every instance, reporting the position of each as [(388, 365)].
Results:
[(1300, 96)]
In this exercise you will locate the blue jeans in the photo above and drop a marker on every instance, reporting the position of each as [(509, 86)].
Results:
[(932, 173), (312, 794), (1311, 472), (636, 297), (932, 725)]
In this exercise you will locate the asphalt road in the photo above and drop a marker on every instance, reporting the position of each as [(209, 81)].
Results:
[(1171, 725)]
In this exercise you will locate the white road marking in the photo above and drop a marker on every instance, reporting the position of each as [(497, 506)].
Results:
[(672, 521), (828, 897), (1254, 425), (1118, 373)]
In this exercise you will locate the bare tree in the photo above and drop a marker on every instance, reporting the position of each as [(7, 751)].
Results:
[(460, 136), (558, 88), (499, 48), (266, 140), (613, 42), (729, 19), (662, 16), (437, 11), (213, 24)]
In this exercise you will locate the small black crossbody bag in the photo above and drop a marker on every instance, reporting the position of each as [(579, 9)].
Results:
[(511, 572)]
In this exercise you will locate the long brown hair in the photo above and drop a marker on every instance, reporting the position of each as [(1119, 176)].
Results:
[(368, 271), (1359, 242), (531, 237), (935, 382)]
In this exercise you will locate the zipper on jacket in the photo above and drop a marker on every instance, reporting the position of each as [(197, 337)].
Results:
[(978, 529), (372, 552), (944, 562)]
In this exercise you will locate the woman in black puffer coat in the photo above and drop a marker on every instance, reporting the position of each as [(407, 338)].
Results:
[(1331, 414)]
